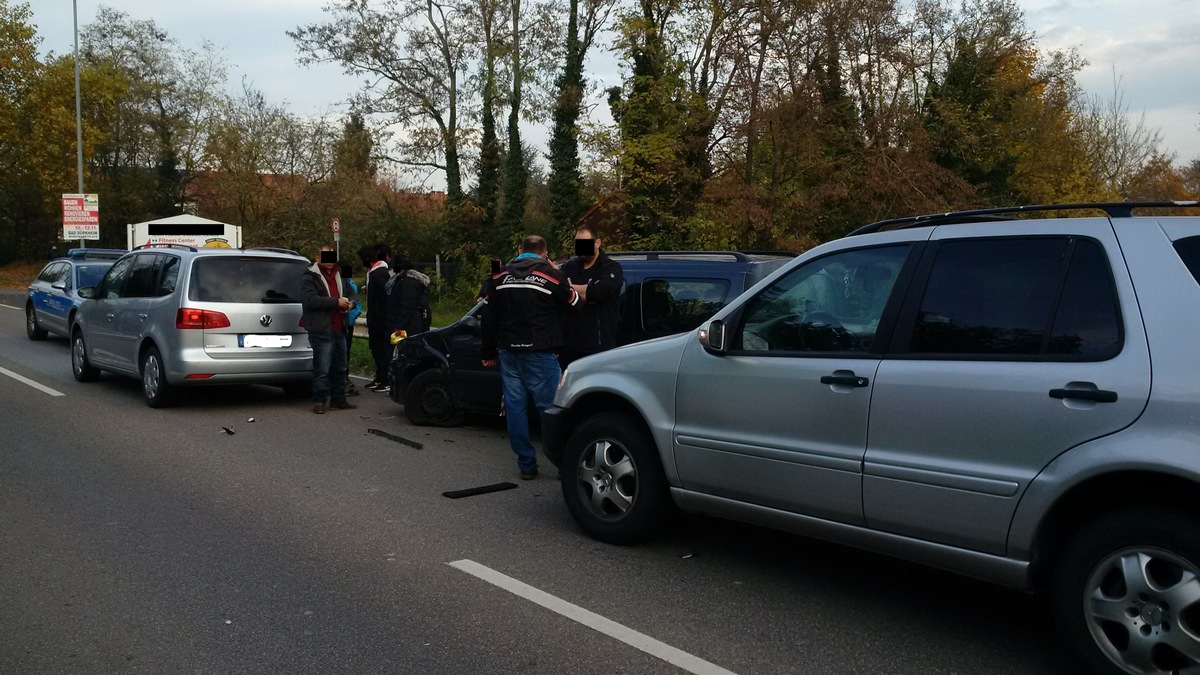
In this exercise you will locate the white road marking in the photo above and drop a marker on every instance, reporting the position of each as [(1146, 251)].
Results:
[(11, 307), (631, 637), (40, 387)]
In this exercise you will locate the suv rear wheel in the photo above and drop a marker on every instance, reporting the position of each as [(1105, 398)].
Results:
[(155, 388), (1127, 592), (612, 480), (32, 329)]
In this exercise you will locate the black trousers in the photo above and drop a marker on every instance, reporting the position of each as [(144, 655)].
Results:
[(379, 340)]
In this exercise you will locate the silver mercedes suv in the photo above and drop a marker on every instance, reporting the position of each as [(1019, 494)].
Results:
[(176, 316), (1015, 399)]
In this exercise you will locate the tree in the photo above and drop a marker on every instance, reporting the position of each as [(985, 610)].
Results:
[(1120, 147)]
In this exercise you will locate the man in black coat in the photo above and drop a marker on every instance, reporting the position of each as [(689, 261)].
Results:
[(374, 258), (598, 279)]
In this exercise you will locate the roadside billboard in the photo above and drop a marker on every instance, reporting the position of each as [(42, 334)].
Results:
[(81, 216)]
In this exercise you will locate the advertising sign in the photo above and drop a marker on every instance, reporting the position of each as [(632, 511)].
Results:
[(81, 216)]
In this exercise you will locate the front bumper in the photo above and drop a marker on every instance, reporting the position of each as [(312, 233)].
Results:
[(554, 433)]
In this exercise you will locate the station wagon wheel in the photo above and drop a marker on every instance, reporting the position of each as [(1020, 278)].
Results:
[(429, 401), (1127, 591), (612, 480), (32, 329), (155, 389), (81, 368)]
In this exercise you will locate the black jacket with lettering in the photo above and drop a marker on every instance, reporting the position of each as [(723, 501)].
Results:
[(527, 304)]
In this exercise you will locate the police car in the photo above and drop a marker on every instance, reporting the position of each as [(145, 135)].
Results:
[(54, 294)]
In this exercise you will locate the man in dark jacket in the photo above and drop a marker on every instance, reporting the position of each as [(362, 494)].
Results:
[(521, 331), (326, 302), (407, 298), (598, 280), (374, 258)]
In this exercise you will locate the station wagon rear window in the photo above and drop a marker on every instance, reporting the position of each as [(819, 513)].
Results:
[(246, 280)]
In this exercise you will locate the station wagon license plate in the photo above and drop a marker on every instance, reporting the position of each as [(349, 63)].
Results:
[(264, 340)]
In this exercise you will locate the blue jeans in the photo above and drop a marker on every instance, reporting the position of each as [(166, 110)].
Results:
[(330, 367), (526, 375)]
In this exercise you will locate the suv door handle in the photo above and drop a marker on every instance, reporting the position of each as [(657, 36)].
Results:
[(845, 380), (1097, 395)]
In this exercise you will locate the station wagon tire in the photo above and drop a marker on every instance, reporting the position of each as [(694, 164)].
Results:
[(81, 368), (1127, 592), (32, 329), (155, 388), (428, 401), (613, 481)]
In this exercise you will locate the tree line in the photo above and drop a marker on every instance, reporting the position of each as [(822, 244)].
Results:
[(748, 124)]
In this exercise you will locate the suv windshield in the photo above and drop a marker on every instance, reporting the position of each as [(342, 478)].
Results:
[(246, 280)]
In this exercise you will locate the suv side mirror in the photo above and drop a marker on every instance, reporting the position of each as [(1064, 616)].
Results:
[(712, 337), (87, 292)]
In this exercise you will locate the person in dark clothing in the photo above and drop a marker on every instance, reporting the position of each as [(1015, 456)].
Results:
[(347, 270), (598, 280), (408, 298), (374, 258), (326, 302), (521, 331)]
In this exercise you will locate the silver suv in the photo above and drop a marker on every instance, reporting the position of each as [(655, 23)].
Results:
[(177, 316), (1012, 399)]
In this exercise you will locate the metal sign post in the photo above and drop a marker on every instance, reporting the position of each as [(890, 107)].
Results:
[(337, 231)]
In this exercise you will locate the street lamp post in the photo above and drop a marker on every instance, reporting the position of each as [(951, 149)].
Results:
[(78, 107)]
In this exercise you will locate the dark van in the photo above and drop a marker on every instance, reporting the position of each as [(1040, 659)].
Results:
[(437, 375)]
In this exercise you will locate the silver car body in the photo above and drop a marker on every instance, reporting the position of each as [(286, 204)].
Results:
[(263, 341)]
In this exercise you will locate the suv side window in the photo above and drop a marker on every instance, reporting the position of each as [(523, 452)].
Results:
[(831, 304), (1189, 252), (169, 276), (113, 283), (1019, 298), (679, 305), (143, 281)]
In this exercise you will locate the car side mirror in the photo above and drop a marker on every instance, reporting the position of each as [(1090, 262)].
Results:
[(712, 337), (59, 285), (87, 292)]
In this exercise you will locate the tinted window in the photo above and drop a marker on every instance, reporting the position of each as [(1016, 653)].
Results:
[(169, 276), (246, 280), (831, 304), (1189, 251), (678, 305), (1088, 323), (52, 272), (89, 275), (113, 283), (143, 280)]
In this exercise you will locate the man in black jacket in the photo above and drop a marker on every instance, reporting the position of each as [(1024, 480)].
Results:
[(407, 298), (374, 258), (598, 280), (521, 330)]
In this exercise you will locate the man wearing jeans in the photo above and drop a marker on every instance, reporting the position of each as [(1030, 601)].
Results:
[(522, 330), (326, 303)]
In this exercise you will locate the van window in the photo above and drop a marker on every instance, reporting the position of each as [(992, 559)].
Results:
[(246, 280)]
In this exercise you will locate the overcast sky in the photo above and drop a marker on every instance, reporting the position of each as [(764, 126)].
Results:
[(1151, 45)]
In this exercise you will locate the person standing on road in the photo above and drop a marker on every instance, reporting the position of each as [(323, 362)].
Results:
[(325, 308), (522, 328), (598, 279), (408, 298), (374, 258), (347, 269)]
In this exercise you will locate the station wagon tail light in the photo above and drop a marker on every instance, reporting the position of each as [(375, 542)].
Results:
[(200, 318)]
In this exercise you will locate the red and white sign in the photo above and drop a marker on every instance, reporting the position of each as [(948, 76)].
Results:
[(81, 216), (337, 226)]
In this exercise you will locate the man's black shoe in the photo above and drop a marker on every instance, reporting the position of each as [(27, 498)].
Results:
[(529, 475)]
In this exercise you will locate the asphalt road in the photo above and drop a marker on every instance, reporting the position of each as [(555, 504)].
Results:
[(139, 540)]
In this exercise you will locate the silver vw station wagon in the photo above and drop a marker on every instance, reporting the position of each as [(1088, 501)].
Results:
[(1015, 399), (177, 317)]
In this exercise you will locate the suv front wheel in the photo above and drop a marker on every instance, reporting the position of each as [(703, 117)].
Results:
[(612, 480), (1127, 592)]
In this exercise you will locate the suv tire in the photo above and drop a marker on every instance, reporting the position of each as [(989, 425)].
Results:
[(81, 368), (155, 388), (428, 401), (1127, 592), (32, 329), (612, 480)]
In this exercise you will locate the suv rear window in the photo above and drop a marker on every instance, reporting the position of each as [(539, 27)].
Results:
[(1189, 252), (246, 280)]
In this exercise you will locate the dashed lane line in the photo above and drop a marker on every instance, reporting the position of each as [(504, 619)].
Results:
[(25, 380), (645, 643)]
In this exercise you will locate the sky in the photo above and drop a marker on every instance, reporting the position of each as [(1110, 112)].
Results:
[(1149, 46)]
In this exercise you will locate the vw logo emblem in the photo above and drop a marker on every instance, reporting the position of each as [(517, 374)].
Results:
[(265, 320)]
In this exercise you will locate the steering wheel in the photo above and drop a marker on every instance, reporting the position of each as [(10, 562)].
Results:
[(823, 332)]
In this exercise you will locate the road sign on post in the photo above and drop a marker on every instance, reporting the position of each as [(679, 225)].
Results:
[(337, 236), (81, 216)]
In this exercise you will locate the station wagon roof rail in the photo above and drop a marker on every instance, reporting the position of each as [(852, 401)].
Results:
[(1112, 209)]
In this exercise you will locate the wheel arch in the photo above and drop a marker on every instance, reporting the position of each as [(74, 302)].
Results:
[(1100, 495), (602, 401)]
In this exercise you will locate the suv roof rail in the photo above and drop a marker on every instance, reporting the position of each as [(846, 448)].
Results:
[(754, 251), (183, 247), (273, 249), (737, 256), (1112, 209), (95, 253)]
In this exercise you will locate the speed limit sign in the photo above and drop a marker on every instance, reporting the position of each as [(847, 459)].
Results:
[(337, 226)]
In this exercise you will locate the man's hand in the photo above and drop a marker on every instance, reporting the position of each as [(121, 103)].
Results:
[(344, 304), (490, 363), (581, 289)]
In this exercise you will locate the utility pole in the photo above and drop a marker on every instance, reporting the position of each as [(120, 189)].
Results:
[(78, 108)]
